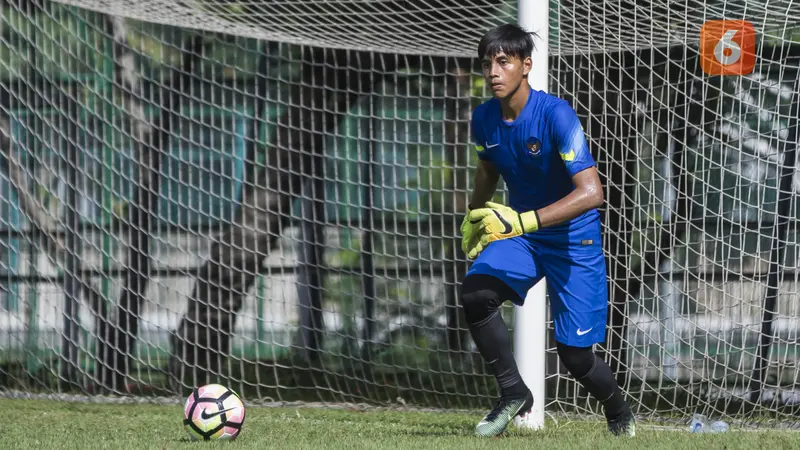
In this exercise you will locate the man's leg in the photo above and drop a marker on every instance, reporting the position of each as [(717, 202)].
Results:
[(481, 297), (595, 375), (484, 290), (576, 282)]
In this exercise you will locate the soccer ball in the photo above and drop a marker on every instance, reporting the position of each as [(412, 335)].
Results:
[(213, 412)]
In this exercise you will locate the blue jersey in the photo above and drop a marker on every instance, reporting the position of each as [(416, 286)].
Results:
[(537, 154)]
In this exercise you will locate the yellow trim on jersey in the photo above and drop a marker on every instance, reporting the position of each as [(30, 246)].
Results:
[(568, 156), (479, 148)]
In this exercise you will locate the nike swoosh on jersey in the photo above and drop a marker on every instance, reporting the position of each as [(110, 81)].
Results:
[(493, 145), (205, 416), (508, 227), (582, 332), (568, 156)]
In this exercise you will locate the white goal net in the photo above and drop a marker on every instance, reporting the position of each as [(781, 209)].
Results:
[(267, 194)]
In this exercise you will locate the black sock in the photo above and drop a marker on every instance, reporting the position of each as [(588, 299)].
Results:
[(596, 376), (494, 343), (481, 300), (600, 382)]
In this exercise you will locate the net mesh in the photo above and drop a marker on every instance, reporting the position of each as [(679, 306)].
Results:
[(437, 27), (267, 194)]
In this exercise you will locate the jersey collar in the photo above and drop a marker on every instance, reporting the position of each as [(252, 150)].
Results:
[(521, 113)]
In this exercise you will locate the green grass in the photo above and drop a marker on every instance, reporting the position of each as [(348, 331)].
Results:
[(55, 425)]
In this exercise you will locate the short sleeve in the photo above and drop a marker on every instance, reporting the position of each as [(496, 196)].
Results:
[(568, 134), (478, 138)]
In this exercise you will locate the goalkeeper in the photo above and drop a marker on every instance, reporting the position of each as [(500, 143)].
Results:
[(551, 229)]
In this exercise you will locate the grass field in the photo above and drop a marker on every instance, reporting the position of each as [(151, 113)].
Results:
[(44, 424)]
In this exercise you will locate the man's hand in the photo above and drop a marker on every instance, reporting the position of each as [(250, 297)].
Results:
[(501, 222), (470, 237)]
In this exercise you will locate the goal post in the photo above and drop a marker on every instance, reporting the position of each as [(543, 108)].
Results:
[(530, 319)]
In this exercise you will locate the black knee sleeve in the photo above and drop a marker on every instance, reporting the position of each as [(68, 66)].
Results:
[(578, 360), (482, 296)]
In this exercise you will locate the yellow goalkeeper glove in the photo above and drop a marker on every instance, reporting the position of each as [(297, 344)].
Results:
[(501, 222), (471, 237)]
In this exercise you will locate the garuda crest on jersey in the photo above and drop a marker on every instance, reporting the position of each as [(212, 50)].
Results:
[(534, 146)]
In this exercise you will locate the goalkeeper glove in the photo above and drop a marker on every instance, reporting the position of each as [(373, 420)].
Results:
[(501, 222), (470, 236)]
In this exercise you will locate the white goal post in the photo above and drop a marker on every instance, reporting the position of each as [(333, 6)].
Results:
[(530, 320)]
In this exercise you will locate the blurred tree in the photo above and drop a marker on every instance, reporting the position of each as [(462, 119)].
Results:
[(330, 82), (34, 82), (151, 138)]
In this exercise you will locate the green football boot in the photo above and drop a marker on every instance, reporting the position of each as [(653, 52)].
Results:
[(502, 414), (624, 425)]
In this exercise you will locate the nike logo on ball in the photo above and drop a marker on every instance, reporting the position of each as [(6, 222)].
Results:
[(206, 416), (582, 332)]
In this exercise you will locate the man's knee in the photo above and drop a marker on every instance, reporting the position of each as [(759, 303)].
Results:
[(482, 296), (578, 360)]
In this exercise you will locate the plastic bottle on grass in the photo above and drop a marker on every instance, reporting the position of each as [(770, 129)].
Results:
[(719, 427), (700, 424)]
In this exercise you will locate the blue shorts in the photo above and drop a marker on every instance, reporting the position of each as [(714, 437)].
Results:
[(575, 272)]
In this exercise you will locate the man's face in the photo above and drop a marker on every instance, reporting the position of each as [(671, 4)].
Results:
[(504, 74)]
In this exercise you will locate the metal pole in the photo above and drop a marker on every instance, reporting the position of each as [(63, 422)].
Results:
[(251, 168), (367, 225), (72, 285), (75, 146), (313, 210), (780, 238)]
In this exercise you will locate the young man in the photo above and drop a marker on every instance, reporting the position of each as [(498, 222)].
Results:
[(550, 229)]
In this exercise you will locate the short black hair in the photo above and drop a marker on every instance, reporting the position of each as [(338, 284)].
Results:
[(510, 39)]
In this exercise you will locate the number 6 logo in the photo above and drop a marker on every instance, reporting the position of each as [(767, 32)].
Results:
[(727, 43), (727, 47)]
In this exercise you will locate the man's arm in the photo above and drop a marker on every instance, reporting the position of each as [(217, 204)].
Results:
[(587, 195), (571, 142), (501, 222), (486, 178)]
